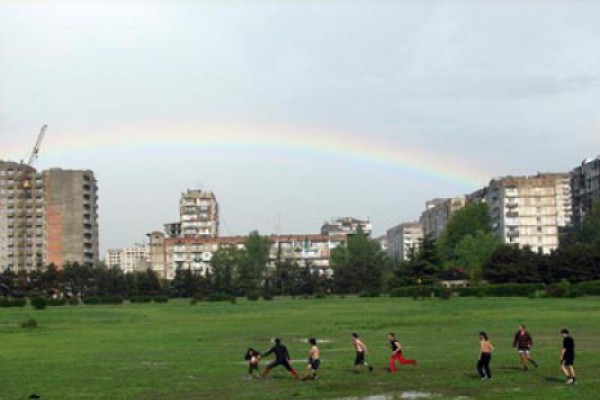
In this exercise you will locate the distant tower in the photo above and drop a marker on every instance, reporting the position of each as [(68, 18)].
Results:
[(199, 214)]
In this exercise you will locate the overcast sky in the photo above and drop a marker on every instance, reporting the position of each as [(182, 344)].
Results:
[(158, 96)]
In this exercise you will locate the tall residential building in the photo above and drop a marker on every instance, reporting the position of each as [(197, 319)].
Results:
[(403, 238), (47, 217), (530, 211), (585, 188), (199, 214), (437, 214), (346, 226), (129, 259)]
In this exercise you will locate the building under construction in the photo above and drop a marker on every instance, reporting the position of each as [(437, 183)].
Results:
[(46, 217)]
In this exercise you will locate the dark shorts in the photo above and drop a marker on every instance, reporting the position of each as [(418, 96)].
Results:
[(284, 363), (568, 360), (252, 367), (314, 364), (360, 358)]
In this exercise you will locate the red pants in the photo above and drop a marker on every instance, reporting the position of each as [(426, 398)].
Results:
[(402, 360)]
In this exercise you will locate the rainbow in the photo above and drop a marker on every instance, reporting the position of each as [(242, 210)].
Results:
[(284, 140)]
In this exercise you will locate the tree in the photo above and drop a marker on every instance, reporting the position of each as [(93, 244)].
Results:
[(473, 251), (469, 220), (511, 264), (224, 263), (358, 264), (590, 226), (253, 262)]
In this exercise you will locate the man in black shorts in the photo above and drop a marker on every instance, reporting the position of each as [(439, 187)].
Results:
[(567, 356), (282, 357), (361, 351), (523, 343)]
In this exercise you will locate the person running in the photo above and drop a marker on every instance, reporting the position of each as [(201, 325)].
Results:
[(567, 356), (523, 343), (397, 354), (253, 358), (361, 352), (314, 360), (485, 356), (282, 357)]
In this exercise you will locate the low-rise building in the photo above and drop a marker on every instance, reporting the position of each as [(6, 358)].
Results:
[(346, 226), (129, 259)]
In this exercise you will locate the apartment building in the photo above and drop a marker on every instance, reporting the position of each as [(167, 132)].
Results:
[(47, 217), (437, 214), (531, 210), (129, 259), (169, 254), (346, 226), (199, 214), (585, 188), (404, 238)]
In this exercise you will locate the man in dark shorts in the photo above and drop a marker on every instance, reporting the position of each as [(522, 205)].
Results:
[(361, 352), (282, 357), (523, 343), (314, 360), (567, 356)]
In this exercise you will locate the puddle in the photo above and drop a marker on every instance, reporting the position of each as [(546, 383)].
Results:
[(412, 395)]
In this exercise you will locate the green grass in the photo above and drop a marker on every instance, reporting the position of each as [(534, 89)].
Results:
[(180, 351)]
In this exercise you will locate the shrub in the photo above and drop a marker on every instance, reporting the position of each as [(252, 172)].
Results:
[(92, 300), (268, 297), (73, 301), (12, 302), (141, 299), (443, 293), (233, 300), (111, 299), (39, 303), (589, 288), (369, 293), (31, 323), (218, 296), (320, 295), (411, 291), (253, 296), (58, 302), (161, 299)]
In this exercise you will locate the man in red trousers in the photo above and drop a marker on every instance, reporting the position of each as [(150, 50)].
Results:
[(397, 354)]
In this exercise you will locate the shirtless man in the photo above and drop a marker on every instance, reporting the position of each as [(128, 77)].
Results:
[(314, 360), (523, 343), (361, 352)]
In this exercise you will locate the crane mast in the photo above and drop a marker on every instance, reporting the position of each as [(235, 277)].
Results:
[(38, 144)]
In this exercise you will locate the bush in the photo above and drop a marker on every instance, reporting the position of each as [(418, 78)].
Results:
[(161, 299), (73, 301), (589, 288), (31, 323), (92, 300), (141, 299), (320, 295), (443, 293), (411, 291), (58, 302), (111, 299), (253, 297), (12, 302), (39, 303), (268, 297), (369, 293), (218, 296)]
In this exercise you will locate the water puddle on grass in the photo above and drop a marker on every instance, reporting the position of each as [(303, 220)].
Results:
[(412, 395)]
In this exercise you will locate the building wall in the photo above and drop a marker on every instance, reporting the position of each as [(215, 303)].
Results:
[(585, 188), (437, 214), (402, 238), (46, 217), (346, 226), (199, 214), (129, 259), (530, 211)]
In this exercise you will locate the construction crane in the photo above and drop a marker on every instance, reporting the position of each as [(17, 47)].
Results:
[(38, 144)]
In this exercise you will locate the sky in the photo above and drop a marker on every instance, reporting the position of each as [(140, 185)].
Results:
[(297, 112)]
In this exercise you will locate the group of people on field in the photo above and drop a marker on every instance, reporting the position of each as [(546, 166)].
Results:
[(282, 358), (522, 342)]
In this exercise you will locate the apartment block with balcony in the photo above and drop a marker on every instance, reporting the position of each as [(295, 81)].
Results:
[(199, 214), (530, 211), (437, 214), (585, 188), (404, 238), (346, 226), (46, 217), (129, 259)]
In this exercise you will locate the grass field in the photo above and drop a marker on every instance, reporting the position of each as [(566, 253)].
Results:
[(180, 351)]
